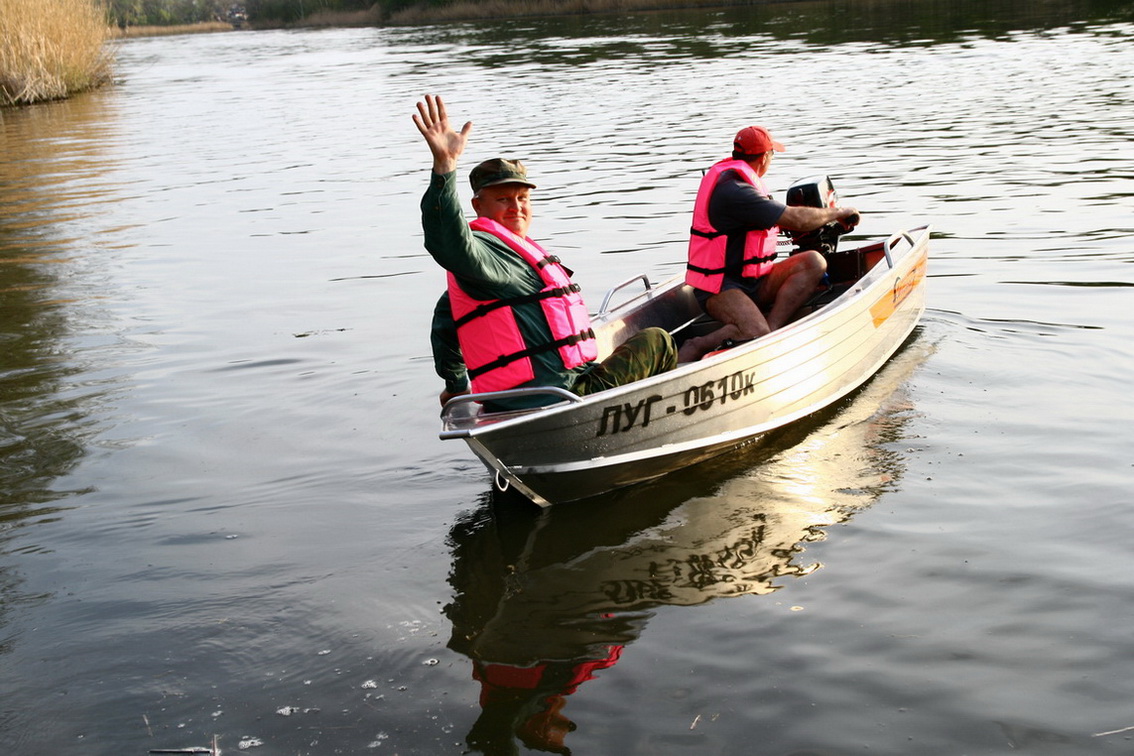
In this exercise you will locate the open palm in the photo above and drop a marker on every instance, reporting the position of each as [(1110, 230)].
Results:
[(444, 142)]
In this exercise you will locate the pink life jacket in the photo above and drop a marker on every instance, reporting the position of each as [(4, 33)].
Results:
[(707, 246), (494, 349)]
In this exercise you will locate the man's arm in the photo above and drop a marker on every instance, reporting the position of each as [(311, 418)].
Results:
[(447, 236), (800, 218), (736, 205)]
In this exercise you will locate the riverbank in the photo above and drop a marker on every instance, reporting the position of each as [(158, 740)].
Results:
[(205, 27), (53, 50), (473, 10)]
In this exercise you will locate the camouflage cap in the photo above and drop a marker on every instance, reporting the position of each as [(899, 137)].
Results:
[(499, 171)]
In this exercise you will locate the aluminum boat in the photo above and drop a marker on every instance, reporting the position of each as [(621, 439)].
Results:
[(579, 447)]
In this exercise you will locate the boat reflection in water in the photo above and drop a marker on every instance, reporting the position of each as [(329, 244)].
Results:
[(545, 599)]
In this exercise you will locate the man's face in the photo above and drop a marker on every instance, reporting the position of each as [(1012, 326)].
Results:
[(765, 163), (508, 204)]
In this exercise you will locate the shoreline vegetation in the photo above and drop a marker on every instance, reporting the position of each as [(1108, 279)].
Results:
[(204, 27), (426, 12), (51, 50)]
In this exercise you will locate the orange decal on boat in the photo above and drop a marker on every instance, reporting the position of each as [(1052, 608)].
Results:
[(888, 303)]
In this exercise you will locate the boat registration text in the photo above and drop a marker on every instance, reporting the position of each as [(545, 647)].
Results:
[(699, 397)]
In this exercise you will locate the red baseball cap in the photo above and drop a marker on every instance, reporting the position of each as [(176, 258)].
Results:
[(754, 141)]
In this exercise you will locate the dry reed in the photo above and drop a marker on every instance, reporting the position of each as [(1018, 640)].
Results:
[(204, 27), (50, 49)]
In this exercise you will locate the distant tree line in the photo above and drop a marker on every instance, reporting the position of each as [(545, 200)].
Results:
[(289, 11), (166, 12), (169, 12)]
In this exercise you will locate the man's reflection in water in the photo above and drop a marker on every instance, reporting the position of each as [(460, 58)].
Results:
[(545, 601), (530, 649), (529, 701)]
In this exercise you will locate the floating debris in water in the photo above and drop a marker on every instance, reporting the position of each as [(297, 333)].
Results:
[(247, 742), (370, 684), (325, 331), (431, 662), (287, 711), (378, 739), (213, 751)]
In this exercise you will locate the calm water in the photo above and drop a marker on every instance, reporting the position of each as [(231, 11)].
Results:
[(225, 512)]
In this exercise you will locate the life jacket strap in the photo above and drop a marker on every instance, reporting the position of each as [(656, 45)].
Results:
[(759, 259), (705, 271), (487, 307), (507, 359), (717, 271)]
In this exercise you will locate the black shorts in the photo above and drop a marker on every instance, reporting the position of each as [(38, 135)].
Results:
[(750, 286)]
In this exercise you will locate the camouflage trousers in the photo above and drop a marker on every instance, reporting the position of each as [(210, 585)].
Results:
[(648, 352)]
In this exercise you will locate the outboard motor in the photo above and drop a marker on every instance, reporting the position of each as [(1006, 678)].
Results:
[(817, 192)]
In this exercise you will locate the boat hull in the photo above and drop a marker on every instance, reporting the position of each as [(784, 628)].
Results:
[(585, 447)]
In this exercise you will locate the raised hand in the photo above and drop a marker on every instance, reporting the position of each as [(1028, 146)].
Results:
[(445, 143)]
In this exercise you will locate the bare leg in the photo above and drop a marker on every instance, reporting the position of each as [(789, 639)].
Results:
[(786, 288), (790, 284), (742, 318)]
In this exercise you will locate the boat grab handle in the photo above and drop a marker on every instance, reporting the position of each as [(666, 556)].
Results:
[(610, 294), (901, 236), (491, 396), (894, 239)]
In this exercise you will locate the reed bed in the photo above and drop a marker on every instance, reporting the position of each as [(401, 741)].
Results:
[(50, 49), (164, 31)]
